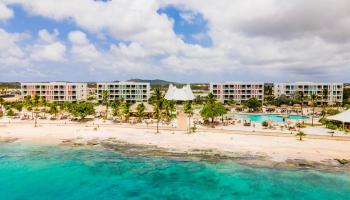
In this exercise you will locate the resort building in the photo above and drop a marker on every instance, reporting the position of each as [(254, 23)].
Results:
[(237, 91), (335, 90), (179, 94), (130, 92), (56, 91)]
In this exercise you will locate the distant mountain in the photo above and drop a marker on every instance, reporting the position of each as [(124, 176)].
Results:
[(152, 82)]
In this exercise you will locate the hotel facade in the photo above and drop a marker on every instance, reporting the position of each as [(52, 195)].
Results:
[(130, 92), (335, 90), (237, 91), (56, 91)]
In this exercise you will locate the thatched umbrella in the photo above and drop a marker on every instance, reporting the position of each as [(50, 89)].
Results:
[(148, 107), (297, 107), (270, 108)]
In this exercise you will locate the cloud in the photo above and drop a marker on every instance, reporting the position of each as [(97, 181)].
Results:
[(5, 12), (78, 37), (47, 47), (275, 39), (11, 53)]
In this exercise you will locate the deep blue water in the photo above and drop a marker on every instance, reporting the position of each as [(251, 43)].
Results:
[(47, 172)]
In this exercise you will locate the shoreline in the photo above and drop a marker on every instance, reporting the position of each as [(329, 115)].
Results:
[(250, 149)]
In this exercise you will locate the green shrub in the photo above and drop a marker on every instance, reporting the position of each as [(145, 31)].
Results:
[(323, 121), (331, 126), (265, 124), (300, 125), (193, 129), (1, 114), (332, 111), (10, 113)]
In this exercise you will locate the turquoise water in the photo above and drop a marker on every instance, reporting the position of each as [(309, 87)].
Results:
[(273, 117), (44, 172)]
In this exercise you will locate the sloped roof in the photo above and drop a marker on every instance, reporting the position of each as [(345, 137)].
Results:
[(342, 117), (179, 94)]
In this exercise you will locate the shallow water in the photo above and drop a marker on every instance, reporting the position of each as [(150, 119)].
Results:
[(48, 172), (273, 117)]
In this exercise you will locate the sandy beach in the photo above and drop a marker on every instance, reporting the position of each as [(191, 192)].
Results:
[(274, 148)]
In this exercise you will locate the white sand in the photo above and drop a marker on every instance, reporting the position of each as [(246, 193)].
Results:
[(277, 147)]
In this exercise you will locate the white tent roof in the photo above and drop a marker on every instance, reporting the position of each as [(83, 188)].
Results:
[(342, 117), (179, 94)]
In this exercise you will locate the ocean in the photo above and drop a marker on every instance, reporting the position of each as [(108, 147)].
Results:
[(30, 171)]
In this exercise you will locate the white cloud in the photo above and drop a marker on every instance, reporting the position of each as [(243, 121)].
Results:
[(5, 12), (273, 38), (11, 54), (45, 36), (78, 37), (82, 50), (47, 47)]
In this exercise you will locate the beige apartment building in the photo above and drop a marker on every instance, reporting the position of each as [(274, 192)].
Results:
[(56, 91), (130, 92), (335, 90), (237, 91)]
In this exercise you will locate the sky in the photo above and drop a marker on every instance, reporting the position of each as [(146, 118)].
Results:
[(175, 40)]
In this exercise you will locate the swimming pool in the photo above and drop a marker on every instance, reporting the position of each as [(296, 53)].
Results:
[(265, 117)]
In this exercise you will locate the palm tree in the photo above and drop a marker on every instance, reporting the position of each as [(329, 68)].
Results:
[(2, 101), (53, 109), (35, 111), (313, 101), (126, 111), (169, 108), (105, 101), (158, 101), (325, 94), (117, 106), (188, 109), (140, 111), (301, 98), (301, 135), (210, 98)]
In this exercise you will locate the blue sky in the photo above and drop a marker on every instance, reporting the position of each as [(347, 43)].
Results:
[(177, 40)]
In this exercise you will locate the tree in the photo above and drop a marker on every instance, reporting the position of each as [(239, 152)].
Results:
[(41, 101), (2, 101), (188, 109), (253, 104), (34, 103), (82, 109), (283, 99), (53, 109), (301, 98), (158, 101), (212, 110), (140, 111), (18, 106), (325, 94), (117, 106), (313, 101), (210, 98), (270, 100), (126, 111), (105, 101), (169, 108), (301, 135), (198, 100), (10, 113)]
